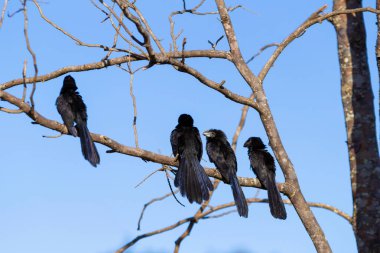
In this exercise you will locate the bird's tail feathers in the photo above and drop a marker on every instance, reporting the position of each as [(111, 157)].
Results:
[(73, 131), (240, 201), (192, 179), (89, 150), (276, 205)]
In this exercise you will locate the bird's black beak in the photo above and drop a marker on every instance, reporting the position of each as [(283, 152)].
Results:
[(246, 143)]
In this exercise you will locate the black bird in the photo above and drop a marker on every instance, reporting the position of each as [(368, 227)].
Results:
[(187, 147), (263, 166), (221, 154), (72, 109)]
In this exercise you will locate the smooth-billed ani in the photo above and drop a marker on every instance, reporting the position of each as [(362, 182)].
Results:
[(72, 109), (221, 154), (263, 166), (187, 147)]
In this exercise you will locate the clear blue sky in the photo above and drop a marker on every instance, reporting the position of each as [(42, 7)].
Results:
[(52, 200)]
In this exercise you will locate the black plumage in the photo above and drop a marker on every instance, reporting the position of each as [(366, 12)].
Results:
[(222, 155), (187, 147), (263, 166), (73, 110)]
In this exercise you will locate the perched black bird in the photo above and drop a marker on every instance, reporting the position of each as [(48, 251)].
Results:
[(263, 166), (187, 147), (72, 109), (221, 154)]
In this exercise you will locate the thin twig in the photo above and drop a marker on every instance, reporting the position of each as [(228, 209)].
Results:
[(23, 78), (183, 50), (78, 41), (262, 50), (219, 215), (148, 28), (170, 186), (125, 28), (198, 215), (150, 174), (10, 111), (213, 45), (194, 12), (115, 39), (243, 118), (131, 77), (103, 11), (144, 31), (31, 53), (15, 12), (151, 202), (3, 12)]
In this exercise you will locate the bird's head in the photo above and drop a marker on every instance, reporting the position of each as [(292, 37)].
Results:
[(185, 120), (214, 133), (254, 142), (69, 83)]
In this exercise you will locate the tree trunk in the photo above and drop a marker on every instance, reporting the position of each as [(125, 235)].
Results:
[(359, 113)]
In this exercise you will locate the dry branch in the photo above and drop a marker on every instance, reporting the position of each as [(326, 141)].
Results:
[(116, 61), (205, 215), (30, 50)]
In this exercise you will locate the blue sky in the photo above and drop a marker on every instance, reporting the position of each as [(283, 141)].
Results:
[(53, 199)]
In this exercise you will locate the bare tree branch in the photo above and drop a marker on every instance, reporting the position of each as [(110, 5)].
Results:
[(115, 39), (115, 61), (142, 18), (124, 6), (119, 148), (315, 18), (311, 225), (130, 34), (216, 86), (206, 214), (78, 41), (195, 12), (257, 100)]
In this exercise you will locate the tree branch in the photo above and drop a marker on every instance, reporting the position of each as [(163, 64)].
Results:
[(205, 215), (122, 149), (303, 210), (315, 18), (116, 61), (216, 86), (30, 50)]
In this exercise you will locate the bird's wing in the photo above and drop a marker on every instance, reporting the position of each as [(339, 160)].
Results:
[(79, 106), (229, 156), (65, 110), (199, 146), (174, 141), (269, 161)]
